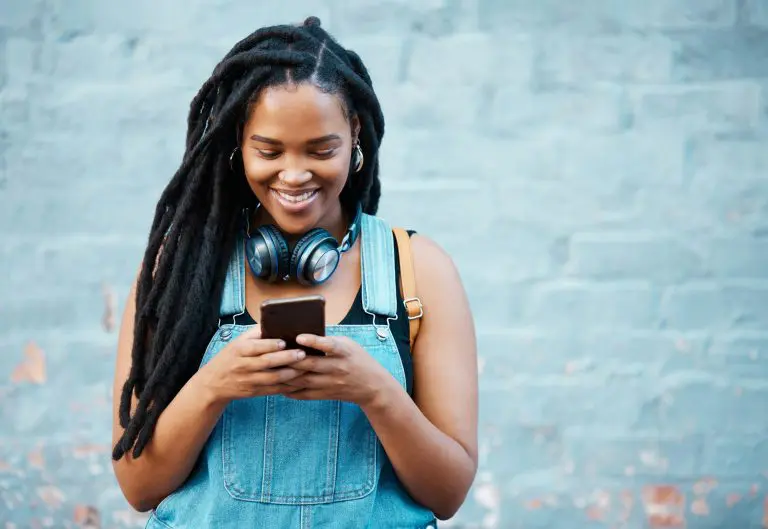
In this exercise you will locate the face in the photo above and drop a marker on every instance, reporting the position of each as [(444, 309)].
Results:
[(297, 148)]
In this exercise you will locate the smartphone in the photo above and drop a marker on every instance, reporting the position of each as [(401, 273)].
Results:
[(286, 318)]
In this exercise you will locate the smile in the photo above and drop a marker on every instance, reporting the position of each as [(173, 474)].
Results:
[(295, 201)]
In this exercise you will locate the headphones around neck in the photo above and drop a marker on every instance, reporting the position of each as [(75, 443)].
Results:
[(312, 261)]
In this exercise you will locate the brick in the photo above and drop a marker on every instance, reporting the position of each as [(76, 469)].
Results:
[(15, 105), (61, 309), (606, 15), (519, 111), (59, 261), (615, 167), (632, 256), (742, 356), (622, 404), (19, 14), (725, 107), (67, 18), (716, 306), (91, 108), (734, 457), (720, 55), (382, 56), (396, 17), (544, 352), (757, 13), (528, 197), (738, 257), (470, 59), (700, 405), (425, 157), (639, 457), (573, 304), (575, 60), (728, 180), (109, 58), (686, 14), (20, 59), (415, 107), (406, 207), (457, 60), (52, 216), (710, 161), (69, 483)]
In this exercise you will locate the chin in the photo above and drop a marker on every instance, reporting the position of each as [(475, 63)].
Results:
[(298, 218)]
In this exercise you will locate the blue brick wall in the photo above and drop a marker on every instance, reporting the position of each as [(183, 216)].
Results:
[(598, 169)]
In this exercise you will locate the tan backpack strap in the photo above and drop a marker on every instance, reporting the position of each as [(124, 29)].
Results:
[(412, 303)]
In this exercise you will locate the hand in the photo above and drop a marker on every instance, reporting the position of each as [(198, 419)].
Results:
[(347, 372), (250, 367)]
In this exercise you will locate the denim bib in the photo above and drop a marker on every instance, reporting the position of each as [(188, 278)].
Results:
[(272, 462)]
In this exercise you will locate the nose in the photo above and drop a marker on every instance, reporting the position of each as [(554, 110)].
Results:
[(294, 177)]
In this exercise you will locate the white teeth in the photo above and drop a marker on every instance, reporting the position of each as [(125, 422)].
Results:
[(295, 199)]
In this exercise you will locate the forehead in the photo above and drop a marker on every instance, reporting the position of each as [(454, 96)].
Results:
[(294, 110)]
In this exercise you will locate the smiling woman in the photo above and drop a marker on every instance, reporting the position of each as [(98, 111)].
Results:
[(276, 197)]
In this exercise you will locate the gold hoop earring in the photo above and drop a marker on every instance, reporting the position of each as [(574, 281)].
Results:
[(358, 157)]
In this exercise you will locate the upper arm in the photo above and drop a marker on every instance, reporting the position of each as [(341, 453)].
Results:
[(123, 362), (124, 358), (445, 351)]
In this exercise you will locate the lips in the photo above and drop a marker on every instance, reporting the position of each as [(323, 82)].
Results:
[(295, 200)]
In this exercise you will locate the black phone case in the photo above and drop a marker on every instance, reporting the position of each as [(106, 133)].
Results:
[(289, 317)]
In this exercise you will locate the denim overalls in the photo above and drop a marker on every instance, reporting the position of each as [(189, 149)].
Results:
[(272, 462)]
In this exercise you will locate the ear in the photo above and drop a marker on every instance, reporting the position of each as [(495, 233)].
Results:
[(355, 126)]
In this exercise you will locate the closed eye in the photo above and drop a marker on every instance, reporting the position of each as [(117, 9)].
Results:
[(269, 155), (325, 153)]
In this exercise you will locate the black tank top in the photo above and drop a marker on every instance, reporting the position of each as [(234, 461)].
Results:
[(400, 327)]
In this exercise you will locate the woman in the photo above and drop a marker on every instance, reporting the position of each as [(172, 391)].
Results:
[(215, 426)]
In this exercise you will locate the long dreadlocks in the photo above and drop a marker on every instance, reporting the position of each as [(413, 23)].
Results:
[(197, 215)]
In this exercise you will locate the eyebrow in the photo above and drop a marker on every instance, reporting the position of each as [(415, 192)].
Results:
[(314, 141)]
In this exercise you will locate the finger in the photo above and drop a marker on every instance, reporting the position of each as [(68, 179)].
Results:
[(285, 389), (311, 381), (307, 394), (260, 347), (326, 344), (317, 364), (277, 389), (278, 359), (275, 376)]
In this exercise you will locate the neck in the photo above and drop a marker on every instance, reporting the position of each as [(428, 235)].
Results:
[(336, 222)]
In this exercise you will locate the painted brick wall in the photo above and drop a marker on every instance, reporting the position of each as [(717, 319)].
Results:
[(597, 168)]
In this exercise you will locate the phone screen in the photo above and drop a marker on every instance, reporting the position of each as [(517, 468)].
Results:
[(286, 318)]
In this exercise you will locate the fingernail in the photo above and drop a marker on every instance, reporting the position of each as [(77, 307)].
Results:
[(300, 355), (280, 344)]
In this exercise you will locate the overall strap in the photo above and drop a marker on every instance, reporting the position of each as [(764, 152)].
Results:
[(377, 267), (233, 295)]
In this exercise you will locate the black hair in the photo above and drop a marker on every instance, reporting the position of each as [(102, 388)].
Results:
[(199, 212)]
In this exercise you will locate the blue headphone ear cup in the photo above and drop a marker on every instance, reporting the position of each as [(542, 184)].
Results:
[(267, 253), (308, 250)]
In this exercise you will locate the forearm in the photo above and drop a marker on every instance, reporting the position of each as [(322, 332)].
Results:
[(179, 437), (433, 467)]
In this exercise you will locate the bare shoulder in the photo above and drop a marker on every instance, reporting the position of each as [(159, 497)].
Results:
[(439, 286), (432, 265)]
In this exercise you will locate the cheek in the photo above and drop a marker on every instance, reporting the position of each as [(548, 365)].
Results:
[(333, 172)]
